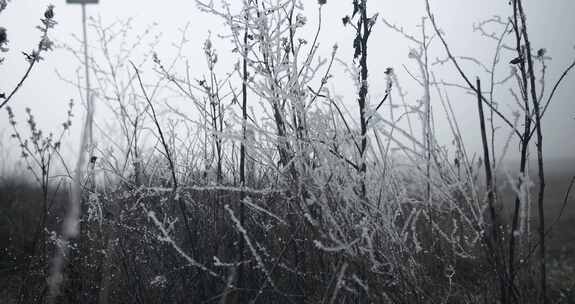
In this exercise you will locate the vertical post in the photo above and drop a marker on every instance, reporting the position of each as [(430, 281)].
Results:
[(89, 123), (89, 101), (71, 223)]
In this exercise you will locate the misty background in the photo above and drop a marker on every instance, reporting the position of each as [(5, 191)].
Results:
[(47, 92), (179, 198)]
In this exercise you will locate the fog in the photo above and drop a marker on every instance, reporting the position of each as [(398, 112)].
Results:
[(287, 151), (551, 23)]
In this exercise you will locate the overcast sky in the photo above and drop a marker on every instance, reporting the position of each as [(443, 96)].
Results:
[(551, 23)]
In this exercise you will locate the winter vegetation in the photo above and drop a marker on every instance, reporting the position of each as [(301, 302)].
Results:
[(266, 187)]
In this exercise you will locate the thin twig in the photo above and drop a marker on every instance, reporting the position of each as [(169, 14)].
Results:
[(460, 70)]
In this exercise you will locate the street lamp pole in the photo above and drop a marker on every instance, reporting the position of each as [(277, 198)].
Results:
[(71, 224), (89, 100), (88, 126), (72, 221)]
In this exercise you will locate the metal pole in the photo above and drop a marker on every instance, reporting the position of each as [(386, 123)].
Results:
[(89, 101), (88, 127), (71, 224)]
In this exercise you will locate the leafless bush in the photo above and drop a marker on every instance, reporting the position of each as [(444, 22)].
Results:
[(275, 193)]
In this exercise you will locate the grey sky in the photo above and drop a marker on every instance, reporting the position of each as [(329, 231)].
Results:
[(551, 23)]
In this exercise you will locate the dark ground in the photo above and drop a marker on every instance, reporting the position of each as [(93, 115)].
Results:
[(17, 208), (561, 238)]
